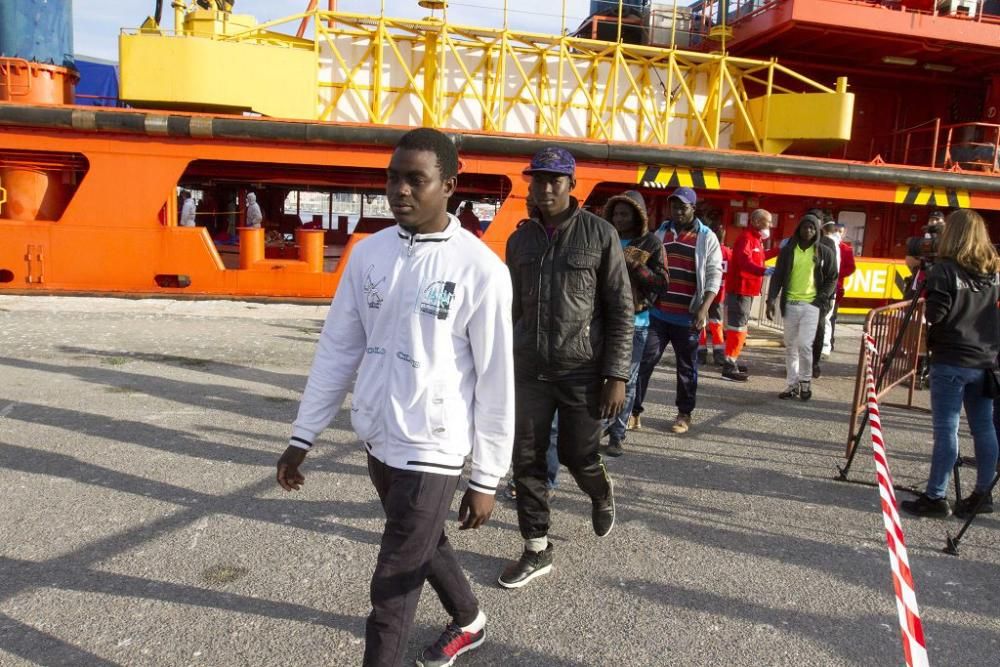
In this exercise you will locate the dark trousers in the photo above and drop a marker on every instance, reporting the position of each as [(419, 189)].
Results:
[(820, 333), (685, 343), (536, 402), (414, 549)]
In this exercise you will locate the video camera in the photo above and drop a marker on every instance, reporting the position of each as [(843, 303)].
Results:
[(925, 248)]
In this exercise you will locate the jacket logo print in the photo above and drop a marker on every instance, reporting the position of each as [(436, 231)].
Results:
[(436, 299), (373, 293), (403, 356), (375, 350)]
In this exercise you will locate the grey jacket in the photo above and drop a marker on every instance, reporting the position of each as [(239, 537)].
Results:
[(707, 260), (573, 312)]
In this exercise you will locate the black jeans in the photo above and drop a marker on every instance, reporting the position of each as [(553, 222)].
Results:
[(685, 343), (820, 333), (536, 402), (414, 549)]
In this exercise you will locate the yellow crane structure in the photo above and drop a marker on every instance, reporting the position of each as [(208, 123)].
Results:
[(380, 70)]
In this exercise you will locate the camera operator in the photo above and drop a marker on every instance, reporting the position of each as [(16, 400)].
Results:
[(922, 250), (963, 287)]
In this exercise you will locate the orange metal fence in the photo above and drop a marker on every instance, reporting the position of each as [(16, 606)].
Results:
[(886, 326)]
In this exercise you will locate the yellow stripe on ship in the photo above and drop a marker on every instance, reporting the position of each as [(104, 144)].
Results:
[(915, 195), (664, 178)]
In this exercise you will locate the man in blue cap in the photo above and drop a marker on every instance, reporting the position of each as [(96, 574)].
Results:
[(573, 320), (694, 265)]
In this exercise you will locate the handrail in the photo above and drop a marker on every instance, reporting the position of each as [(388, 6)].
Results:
[(944, 148), (6, 69), (748, 9)]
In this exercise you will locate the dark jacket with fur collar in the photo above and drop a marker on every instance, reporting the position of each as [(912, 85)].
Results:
[(573, 312)]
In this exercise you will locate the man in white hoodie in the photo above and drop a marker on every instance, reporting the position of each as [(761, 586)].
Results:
[(423, 314)]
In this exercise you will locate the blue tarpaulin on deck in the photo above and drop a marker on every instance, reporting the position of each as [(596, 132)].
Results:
[(98, 84)]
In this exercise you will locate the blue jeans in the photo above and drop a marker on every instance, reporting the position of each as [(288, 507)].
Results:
[(951, 387), (685, 342), (617, 426)]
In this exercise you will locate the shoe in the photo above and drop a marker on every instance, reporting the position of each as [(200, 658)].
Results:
[(742, 368), (702, 357), (531, 564), (719, 357), (614, 448), (732, 373), (511, 491), (634, 423), (817, 372), (926, 506), (791, 391), (805, 391), (682, 424), (964, 508), (453, 642), (602, 513)]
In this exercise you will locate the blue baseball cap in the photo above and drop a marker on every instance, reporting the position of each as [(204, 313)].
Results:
[(686, 195), (552, 160)]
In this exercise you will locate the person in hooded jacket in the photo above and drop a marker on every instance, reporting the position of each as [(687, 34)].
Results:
[(805, 277), (254, 216), (647, 272), (962, 290)]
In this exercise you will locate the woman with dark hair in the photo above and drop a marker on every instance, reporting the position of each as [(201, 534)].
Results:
[(962, 291)]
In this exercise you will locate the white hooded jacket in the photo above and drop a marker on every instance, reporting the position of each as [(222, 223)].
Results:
[(425, 321)]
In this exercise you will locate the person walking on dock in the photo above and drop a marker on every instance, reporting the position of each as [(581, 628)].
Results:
[(694, 264), (423, 315), (647, 272), (573, 320), (744, 279), (805, 278)]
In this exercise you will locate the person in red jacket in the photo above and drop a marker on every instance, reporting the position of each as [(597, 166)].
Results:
[(714, 328), (743, 282)]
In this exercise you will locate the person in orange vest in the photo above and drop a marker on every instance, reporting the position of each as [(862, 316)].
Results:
[(744, 279)]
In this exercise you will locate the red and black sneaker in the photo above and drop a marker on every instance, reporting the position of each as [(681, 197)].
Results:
[(453, 642)]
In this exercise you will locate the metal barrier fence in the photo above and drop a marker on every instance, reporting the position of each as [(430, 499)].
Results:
[(758, 316), (886, 325)]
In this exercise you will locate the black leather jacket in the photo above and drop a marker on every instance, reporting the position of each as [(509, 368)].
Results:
[(573, 310)]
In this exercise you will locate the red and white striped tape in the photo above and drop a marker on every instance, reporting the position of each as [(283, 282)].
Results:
[(914, 648)]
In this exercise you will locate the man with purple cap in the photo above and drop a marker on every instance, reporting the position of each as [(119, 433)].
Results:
[(694, 265), (573, 320)]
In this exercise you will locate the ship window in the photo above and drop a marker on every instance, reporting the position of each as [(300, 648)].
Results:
[(341, 200), (38, 185), (854, 228)]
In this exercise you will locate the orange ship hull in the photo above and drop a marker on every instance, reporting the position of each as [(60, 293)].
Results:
[(116, 229)]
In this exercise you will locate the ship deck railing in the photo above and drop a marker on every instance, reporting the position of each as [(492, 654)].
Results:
[(971, 146), (741, 11)]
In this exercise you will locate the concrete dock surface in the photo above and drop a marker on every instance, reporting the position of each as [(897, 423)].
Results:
[(141, 524)]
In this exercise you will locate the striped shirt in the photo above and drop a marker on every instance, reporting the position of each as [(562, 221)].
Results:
[(675, 305)]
